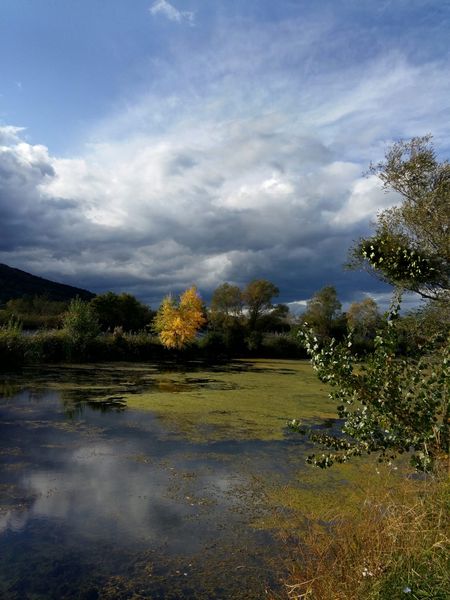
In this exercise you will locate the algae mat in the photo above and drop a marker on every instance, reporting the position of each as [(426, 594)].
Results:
[(244, 400)]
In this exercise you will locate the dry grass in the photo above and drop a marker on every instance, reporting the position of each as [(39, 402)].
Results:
[(394, 546)]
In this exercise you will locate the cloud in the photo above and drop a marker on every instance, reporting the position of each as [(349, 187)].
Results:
[(225, 169), (155, 214), (166, 9), (10, 134)]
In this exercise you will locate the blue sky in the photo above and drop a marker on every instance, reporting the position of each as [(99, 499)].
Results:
[(148, 145)]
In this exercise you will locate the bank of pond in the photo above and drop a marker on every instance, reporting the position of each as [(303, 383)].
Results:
[(18, 348)]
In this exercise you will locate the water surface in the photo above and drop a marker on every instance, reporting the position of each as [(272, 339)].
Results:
[(102, 500)]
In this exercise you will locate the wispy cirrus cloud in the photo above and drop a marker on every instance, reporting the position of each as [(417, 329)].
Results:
[(164, 8)]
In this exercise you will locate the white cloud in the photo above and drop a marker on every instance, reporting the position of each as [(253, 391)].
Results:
[(173, 14), (10, 134), (367, 197)]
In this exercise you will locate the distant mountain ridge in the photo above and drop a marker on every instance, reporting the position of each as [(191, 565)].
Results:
[(15, 283)]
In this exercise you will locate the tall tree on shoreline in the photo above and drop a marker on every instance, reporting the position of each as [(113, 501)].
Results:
[(410, 248)]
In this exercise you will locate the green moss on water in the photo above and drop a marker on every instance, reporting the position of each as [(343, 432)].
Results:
[(319, 495), (251, 401)]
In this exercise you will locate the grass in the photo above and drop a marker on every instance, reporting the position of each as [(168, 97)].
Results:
[(392, 544), (247, 401)]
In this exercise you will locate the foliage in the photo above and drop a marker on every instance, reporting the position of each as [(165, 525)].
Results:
[(226, 304), (389, 405), (225, 321), (178, 324), (243, 330), (34, 312), (410, 248), (277, 320), (257, 297), (80, 324), (47, 346), (418, 325), (121, 310), (323, 312), (363, 320), (12, 347), (13, 329), (35, 305), (363, 317), (282, 345)]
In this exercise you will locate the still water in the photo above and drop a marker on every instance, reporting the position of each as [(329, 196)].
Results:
[(98, 500)]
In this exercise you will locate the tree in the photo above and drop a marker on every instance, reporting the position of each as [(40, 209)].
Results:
[(363, 318), (277, 320), (410, 248), (177, 323), (80, 323), (322, 311), (226, 305), (419, 325), (226, 319), (121, 310), (257, 297), (389, 405), (35, 305)]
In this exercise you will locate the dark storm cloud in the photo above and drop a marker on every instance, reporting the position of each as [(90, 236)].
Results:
[(232, 216)]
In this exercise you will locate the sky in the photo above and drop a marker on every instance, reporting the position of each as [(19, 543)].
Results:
[(148, 145)]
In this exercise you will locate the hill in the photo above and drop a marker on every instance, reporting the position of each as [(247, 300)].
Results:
[(15, 283)]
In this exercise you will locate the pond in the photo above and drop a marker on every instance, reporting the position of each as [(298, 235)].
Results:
[(137, 481)]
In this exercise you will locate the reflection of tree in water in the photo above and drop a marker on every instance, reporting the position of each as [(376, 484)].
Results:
[(8, 389), (74, 402)]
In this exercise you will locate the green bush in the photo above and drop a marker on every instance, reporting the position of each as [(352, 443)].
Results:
[(47, 346), (81, 327), (282, 346), (389, 405), (12, 345)]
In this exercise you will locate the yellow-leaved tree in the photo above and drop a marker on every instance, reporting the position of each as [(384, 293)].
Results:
[(177, 323)]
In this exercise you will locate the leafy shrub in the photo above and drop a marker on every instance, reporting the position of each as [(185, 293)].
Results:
[(282, 346), (12, 344), (389, 405), (81, 327), (47, 346)]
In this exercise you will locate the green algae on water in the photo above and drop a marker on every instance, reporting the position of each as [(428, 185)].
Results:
[(247, 401)]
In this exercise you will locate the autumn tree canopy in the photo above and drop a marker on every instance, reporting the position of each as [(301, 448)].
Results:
[(177, 323)]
